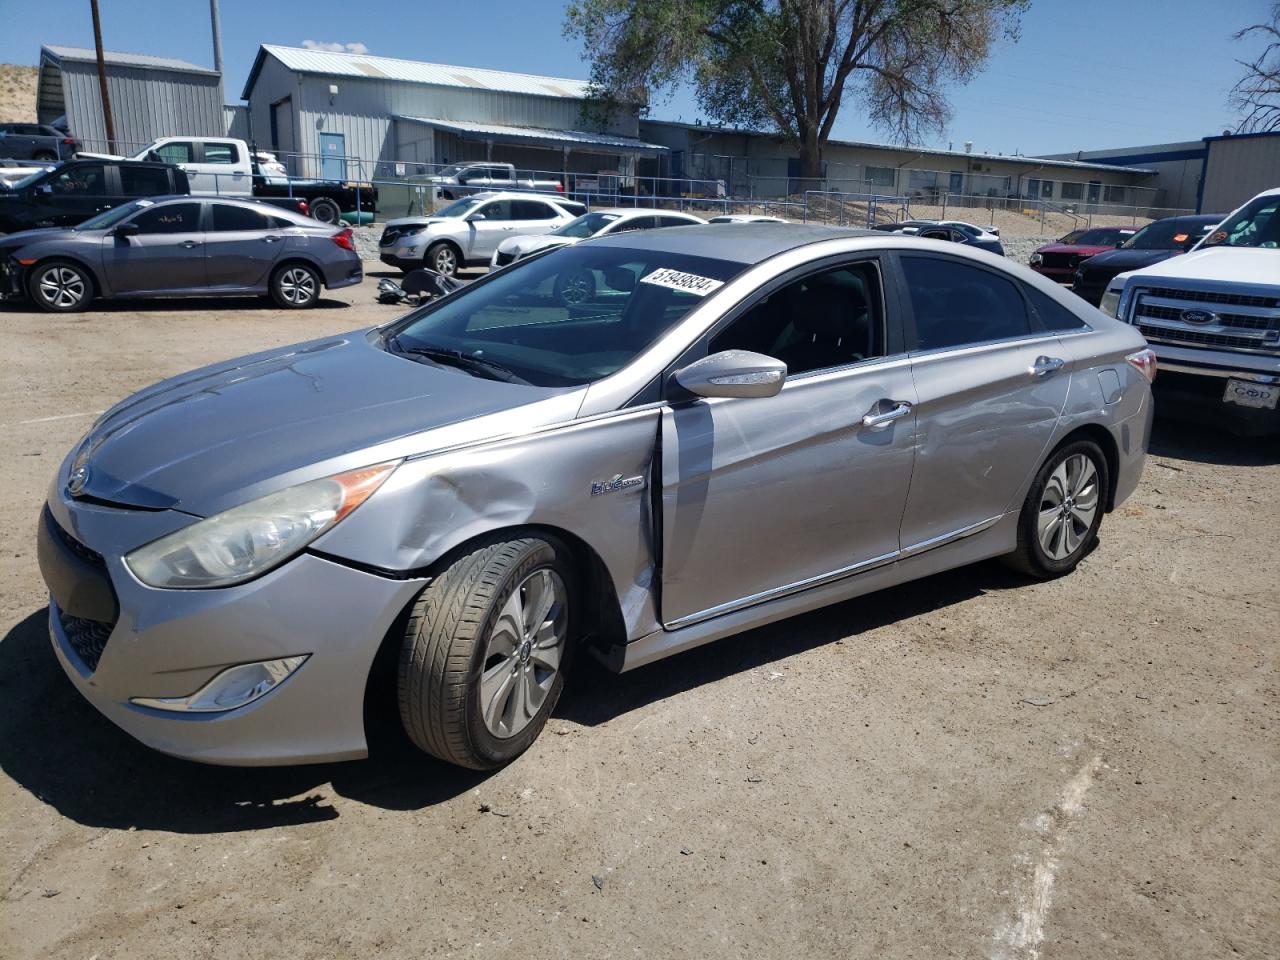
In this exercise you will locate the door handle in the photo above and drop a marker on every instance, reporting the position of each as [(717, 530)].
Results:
[(874, 421), (271, 239), (189, 244), (1046, 365)]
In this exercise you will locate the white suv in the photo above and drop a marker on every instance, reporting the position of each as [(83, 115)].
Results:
[(467, 232)]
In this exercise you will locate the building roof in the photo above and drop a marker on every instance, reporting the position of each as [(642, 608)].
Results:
[(326, 63), (504, 133), (115, 58), (923, 151)]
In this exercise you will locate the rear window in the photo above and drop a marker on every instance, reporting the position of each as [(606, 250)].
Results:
[(221, 153)]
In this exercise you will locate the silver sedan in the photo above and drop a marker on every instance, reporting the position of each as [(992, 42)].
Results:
[(741, 424)]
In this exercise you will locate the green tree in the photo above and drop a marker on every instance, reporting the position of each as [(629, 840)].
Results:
[(787, 66)]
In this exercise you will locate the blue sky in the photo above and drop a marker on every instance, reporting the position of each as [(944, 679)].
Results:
[(1085, 73)]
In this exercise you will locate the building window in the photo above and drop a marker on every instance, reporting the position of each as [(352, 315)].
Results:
[(926, 180), (880, 176), (1073, 191), (1114, 194)]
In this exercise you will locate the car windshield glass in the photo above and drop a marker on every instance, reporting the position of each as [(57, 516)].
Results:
[(1097, 238), (28, 180), (451, 170), (111, 217), (1163, 235), (1257, 225), (1073, 237), (571, 317), (585, 226), (459, 208)]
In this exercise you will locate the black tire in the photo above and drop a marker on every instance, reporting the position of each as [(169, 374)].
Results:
[(576, 287), (60, 286), (447, 641), (1031, 555), (444, 258), (325, 210), (295, 286), (44, 156)]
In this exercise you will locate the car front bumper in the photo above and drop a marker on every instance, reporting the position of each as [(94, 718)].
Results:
[(1191, 385), (170, 643)]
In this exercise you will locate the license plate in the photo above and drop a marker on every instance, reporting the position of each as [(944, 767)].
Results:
[(1249, 394)]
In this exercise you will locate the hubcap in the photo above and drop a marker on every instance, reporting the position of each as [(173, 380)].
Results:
[(61, 287), (523, 654), (297, 286), (1068, 506)]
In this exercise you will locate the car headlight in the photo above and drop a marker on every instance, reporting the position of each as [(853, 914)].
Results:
[(1036, 259), (245, 541), (1110, 303)]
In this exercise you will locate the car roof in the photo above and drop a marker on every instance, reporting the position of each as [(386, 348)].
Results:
[(739, 242)]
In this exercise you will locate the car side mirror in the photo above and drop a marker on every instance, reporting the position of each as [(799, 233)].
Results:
[(475, 217), (126, 230), (734, 373)]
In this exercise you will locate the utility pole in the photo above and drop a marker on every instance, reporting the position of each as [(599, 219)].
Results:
[(102, 78), (217, 35)]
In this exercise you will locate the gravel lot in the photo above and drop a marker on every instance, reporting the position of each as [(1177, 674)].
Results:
[(968, 766)]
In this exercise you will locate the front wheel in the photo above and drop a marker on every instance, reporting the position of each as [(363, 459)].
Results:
[(1063, 511), (442, 258), (484, 650), (60, 286), (295, 286)]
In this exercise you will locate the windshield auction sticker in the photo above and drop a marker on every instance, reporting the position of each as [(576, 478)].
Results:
[(684, 282)]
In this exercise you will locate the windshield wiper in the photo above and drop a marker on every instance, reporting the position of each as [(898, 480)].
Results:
[(464, 361)]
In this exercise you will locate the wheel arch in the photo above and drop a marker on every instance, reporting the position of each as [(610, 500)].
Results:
[(95, 275), (298, 258), (1107, 443), (448, 242)]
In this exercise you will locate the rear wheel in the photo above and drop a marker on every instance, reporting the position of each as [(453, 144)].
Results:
[(442, 258), (481, 666), (1063, 511), (295, 286), (325, 210), (45, 156), (60, 286)]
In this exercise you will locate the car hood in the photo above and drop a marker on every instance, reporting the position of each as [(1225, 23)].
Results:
[(420, 221), (523, 246), (1084, 251), (1237, 265), (1118, 261), (22, 238), (228, 433)]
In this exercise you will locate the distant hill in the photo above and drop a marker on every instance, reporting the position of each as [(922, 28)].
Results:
[(17, 93)]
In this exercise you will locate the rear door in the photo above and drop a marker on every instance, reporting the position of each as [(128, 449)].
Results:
[(222, 169), (533, 217), (992, 384), (167, 253), (241, 244)]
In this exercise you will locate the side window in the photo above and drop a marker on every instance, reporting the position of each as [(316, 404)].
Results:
[(497, 210), (177, 151), (221, 153), (80, 181), (956, 304), (531, 210), (228, 217), (1053, 315), (635, 223), (674, 222), (171, 218), (828, 319), (144, 181)]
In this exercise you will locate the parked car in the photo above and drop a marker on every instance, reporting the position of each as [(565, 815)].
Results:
[(225, 166), (466, 233), (180, 246), (953, 231), (748, 422), (1058, 261), (1157, 241), (36, 141), (464, 179), (597, 223), (80, 189), (745, 218), (1213, 319)]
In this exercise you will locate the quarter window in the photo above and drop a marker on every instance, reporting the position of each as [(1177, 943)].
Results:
[(956, 304), (170, 218), (828, 319), (1053, 315)]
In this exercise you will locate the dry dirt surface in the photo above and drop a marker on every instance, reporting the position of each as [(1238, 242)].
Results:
[(17, 93), (969, 766)]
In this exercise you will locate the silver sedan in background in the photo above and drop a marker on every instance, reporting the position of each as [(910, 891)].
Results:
[(741, 423), (180, 246)]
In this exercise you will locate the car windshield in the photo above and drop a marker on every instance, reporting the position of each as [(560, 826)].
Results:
[(111, 217), (585, 226), (1164, 235), (1256, 225), (571, 317), (28, 180), (1098, 237), (451, 170), (459, 208)]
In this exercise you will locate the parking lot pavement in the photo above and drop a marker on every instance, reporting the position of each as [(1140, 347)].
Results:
[(968, 766)]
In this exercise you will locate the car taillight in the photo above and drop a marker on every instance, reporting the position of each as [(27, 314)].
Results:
[(559, 188), (68, 141), (303, 208), (1144, 361), (345, 239)]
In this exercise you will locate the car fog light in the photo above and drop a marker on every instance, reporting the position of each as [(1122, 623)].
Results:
[(233, 687)]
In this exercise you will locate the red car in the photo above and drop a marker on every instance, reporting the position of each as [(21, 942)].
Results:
[(1058, 261)]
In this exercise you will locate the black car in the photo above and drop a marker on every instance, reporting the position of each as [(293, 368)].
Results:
[(80, 189), (1157, 241), (36, 141)]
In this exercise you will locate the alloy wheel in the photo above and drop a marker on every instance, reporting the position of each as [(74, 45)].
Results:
[(61, 287), (446, 261), (523, 653), (298, 286), (1068, 506)]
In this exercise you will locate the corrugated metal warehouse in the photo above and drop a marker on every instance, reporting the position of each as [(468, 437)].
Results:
[(150, 96), (330, 111)]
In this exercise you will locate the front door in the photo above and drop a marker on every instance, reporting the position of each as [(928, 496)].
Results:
[(72, 194), (488, 227), (768, 496), (167, 253), (333, 156), (991, 388)]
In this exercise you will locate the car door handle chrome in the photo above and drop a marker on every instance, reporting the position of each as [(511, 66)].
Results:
[(1046, 365), (874, 421), (190, 243), (271, 239)]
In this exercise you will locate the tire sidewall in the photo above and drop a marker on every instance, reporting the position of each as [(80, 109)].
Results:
[(279, 297), (41, 303), (1046, 565), (432, 259), (491, 750)]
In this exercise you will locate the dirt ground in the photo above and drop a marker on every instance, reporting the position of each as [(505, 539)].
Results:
[(968, 766)]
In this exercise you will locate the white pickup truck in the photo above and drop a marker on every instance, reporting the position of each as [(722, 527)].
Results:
[(464, 179), (1212, 317)]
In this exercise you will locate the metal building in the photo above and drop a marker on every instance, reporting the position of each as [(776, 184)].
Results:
[(1236, 168), (150, 97), (341, 115)]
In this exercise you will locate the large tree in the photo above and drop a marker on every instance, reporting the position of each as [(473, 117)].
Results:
[(1256, 95), (788, 65)]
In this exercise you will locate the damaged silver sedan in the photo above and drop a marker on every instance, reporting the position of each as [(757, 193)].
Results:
[(740, 424)]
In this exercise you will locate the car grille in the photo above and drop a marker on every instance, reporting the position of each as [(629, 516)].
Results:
[(389, 236), (1061, 261), (88, 638), (1243, 322), (504, 258)]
